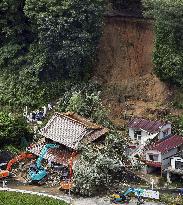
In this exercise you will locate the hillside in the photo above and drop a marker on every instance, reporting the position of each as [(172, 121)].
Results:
[(125, 67)]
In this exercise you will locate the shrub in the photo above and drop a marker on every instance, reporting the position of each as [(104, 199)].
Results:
[(12, 129), (85, 100), (97, 168), (168, 52)]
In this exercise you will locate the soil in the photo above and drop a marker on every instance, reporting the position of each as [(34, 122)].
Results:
[(125, 69)]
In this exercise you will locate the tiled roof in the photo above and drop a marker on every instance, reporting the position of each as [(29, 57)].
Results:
[(167, 144), (54, 155), (147, 125), (70, 129)]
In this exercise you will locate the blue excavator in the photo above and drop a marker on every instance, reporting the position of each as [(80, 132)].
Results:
[(124, 198), (37, 173)]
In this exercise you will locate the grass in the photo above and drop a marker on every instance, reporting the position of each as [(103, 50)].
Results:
[(13, 198)]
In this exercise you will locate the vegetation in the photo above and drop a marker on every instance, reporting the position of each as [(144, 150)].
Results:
[(42, 43), (14, 198), (12, 129), (168, 53), (134, 6), (171, 199), (177, 124), (98, 168), (85, 99)]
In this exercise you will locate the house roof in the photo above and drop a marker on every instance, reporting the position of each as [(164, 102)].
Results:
[(147, 125), (167, 144), (56, 155), (70, 129)]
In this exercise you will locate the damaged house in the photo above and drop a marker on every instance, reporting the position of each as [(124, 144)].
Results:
[(142, 130), (69, 130)]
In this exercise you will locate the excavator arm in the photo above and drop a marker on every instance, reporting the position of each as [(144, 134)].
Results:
[(22, 156), (18, 158), (37, 173), (133, 190), (43, 153), (66, 185)]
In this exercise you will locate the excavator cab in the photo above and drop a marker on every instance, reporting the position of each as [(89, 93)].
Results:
[(122, 198)]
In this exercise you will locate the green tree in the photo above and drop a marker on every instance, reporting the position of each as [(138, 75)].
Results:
[(168, 52), (44, 42), (12, 129), (68, 31), (98, 168), (85, 99)]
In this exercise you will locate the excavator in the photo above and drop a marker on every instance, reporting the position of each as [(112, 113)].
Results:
[(7, 173), (37, 173), (66, 182), (124, 198)]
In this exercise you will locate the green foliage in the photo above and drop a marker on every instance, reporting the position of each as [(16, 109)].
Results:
[(68, 31), (12, 129), (85, 100), (44, 42), (177, 124), (97, 168), (168, 53), (130, 5), (13, 198), (12, 149), (171, 199)]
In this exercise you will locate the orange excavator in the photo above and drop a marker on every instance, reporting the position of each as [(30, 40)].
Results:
[(6, 173), (66, 183)]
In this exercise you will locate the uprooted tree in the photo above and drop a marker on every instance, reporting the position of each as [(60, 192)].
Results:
[(99, 168)]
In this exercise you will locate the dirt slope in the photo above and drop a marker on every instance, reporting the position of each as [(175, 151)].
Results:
[(125, 67)]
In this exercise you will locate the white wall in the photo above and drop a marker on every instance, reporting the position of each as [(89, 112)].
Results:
[(144, 136), (173, 160), (131, 133), (167, 157), (153, 152), (164, 128)]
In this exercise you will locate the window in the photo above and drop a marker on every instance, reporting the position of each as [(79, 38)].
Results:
[(137, 135), (178, 165), (165, 133), (153, 157)]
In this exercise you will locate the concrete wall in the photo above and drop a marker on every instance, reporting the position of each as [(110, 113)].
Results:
[(167, 157), (163, 129), (152, 152), (144, 136), (131, 133)]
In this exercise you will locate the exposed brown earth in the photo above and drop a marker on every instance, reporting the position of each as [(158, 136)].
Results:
[(125, 68)]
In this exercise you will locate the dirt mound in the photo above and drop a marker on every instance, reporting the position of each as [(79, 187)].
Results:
[(125, 68)]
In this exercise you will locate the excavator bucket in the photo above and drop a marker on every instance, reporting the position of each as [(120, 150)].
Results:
[(4, 174), (65, 185)]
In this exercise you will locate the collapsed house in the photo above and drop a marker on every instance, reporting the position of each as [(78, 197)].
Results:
[(70, 131)]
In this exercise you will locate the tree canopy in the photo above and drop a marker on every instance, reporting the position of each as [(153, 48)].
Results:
[(42, 42), (168, 53)]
